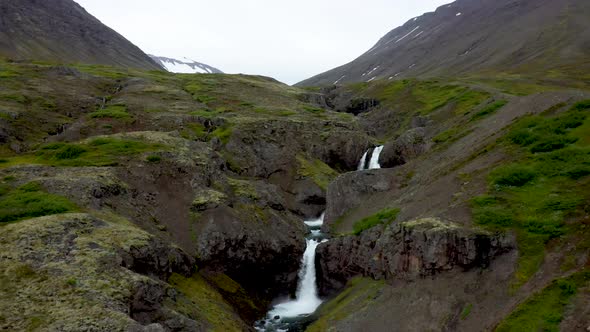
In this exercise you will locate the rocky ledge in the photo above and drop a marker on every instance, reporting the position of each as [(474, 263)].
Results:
[(406, 250)]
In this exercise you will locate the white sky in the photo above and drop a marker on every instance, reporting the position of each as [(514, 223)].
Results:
[(287, 40)]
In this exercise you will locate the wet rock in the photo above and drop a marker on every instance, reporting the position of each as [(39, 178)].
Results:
[(406, 250), (408, 146)]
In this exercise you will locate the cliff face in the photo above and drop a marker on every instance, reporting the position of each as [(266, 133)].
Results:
[(407, 251), (62, 31)]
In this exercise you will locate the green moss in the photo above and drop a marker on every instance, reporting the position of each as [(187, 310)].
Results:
[(112, 112), (355, 298), (466, 311), (98, 152), (243, 188), (513, 175), (194, 131), (30, 201), (153, 158), (235, 294), (223, 133), (541, 189), (544, 310), (318, 171), (385, 216), (446, 135), (200, 300), (490, 109)]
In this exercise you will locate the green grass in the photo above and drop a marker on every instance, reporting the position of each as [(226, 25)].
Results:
[(385, 216), (198, 298), (112, 112), (446, 135), (544, 310), (490, 109), (466, 311), (153, 158), (223, 133), (30, 201), (194, 131), (318, 171), (97, 152), (541, 190), (357, 296)]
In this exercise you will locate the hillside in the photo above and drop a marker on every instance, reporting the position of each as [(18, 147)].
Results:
[(144, 200), (62, 31), (541, 39)]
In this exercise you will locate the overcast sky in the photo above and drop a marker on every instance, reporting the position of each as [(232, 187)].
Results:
[(287, 40)]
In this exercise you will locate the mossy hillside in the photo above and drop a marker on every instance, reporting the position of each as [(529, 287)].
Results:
[(354, 299), (544, 193), (112, 112), (545, 309), (104, 151), (202, 301), (320, 173), (67, 277), (236, 295), (30, 201), (383, 217)]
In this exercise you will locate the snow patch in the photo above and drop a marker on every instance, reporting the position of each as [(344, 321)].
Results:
[(458, 14), (374, 77), (340, 79), (419, 33), (409, 33)]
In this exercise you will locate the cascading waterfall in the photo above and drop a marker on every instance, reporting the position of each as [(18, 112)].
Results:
[(307, 300), (373, 162)]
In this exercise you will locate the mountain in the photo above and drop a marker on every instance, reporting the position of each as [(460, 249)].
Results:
[(470, 37), (185, 66), (62, 31)]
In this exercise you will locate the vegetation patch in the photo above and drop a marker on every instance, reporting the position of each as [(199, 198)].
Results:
[(385, 216), (111, 112), (490, 109), (544, 310), (200, 299), (30, 201), (544, 188), (358, 294), (97, 152), (315, 169)]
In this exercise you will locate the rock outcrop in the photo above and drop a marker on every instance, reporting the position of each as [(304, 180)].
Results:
[(406, 250), (351, 189), (408, 146)]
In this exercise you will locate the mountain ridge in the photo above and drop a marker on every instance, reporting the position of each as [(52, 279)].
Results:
[(466, 38), (63, 31)]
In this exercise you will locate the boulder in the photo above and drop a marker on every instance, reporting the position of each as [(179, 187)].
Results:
[(408, 146)]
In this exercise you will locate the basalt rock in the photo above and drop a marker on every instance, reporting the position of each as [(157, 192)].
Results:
[(407, 250), (351, 189), (408, 146), (258, 248)]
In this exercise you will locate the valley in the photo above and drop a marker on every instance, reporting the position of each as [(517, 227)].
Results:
[(455, 197)]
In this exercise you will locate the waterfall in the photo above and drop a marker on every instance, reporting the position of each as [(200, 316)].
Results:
[(373, 162), (363, 161), (306, 300)]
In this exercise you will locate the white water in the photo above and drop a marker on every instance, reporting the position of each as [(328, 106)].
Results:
[(374, 162), (307, 299), (363, 161)]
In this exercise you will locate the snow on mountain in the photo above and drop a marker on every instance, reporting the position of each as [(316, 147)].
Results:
[(185, 66)]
